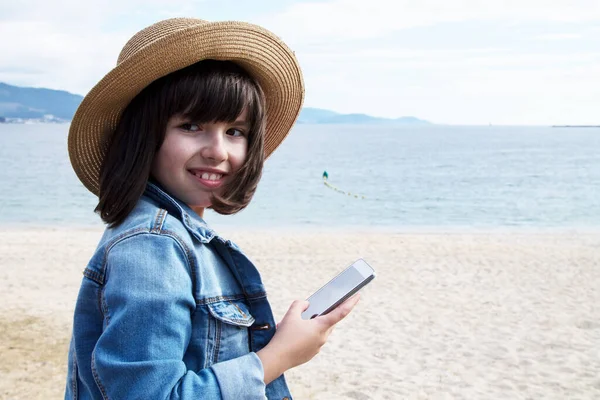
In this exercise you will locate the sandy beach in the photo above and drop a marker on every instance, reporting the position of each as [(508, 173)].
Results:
[(494, 315)]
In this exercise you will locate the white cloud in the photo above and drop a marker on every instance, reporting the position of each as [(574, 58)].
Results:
[(349, 55), (559, 36), (353, 65), (56, 58), (471, 86), (70, 45), (351, 19)]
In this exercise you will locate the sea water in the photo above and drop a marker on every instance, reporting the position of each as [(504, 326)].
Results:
[(396, 177)]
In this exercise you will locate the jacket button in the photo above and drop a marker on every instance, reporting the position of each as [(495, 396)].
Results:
[(261, 327), (286, 398)]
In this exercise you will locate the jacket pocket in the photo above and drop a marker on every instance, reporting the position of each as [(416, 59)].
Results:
[(231, 312), (228, 330)]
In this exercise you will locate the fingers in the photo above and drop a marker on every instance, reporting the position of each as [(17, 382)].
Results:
[(341, 311), (298, 307)]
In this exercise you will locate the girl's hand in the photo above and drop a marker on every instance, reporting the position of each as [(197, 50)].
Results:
[(297, 340)]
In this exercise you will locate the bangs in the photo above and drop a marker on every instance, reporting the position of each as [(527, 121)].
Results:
[(212, 91)]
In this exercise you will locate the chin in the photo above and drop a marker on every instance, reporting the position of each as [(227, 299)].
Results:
[(200, 204)]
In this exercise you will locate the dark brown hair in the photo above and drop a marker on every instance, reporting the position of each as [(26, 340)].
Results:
[(208, 91)]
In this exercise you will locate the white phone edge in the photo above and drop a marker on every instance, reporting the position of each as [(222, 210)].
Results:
[(366, 271)]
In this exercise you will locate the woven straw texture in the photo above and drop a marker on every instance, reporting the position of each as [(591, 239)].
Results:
[(168, 46)]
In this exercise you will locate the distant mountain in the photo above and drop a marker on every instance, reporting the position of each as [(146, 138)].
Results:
[(319, 116), (35, 103), (24, 102)]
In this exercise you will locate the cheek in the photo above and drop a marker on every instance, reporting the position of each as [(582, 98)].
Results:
[(170, 157), (238, 154), (174, 153)]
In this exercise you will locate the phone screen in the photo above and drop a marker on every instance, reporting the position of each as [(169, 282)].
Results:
[(329, 294)]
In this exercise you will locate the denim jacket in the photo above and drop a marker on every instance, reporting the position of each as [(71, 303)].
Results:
[(168, 309)]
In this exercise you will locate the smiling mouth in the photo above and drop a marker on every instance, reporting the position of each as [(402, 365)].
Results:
[(208, 179)]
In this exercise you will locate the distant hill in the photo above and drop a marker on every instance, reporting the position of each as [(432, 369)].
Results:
[(32, 103), (24, 102), (319, 116)]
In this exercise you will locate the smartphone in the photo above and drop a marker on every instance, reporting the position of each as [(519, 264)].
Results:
[(339, 289)]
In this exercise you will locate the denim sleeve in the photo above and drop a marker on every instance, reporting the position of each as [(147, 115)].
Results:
[(148, 302)]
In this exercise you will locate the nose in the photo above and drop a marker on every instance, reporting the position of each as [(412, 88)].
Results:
[(214, 148)]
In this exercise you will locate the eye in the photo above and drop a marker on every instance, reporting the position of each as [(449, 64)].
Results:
[(236, 132), (190, 127)]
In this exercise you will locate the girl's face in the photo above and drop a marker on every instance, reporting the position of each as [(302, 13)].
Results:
[(196, 160)]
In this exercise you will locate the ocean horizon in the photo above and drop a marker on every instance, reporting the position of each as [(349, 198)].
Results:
[(400, 178)]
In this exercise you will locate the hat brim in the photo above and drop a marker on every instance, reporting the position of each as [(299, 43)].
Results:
[(255, 49)]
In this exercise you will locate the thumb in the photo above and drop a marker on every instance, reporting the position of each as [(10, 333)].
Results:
[(298, 307), (341, 311)]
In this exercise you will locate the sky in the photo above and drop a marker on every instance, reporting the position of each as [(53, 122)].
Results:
[(464, 62)]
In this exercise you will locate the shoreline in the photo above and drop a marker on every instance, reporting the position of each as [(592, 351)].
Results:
[(351, 229)]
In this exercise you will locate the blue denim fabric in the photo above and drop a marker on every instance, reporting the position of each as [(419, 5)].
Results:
[(169, 310)]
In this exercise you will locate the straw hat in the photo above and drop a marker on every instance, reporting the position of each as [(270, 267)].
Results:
[(168, 46)]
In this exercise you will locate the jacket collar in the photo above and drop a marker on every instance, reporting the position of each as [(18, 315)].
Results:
[(192, 221)]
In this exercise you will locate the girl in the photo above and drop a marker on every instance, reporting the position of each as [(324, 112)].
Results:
[(168, 308)]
